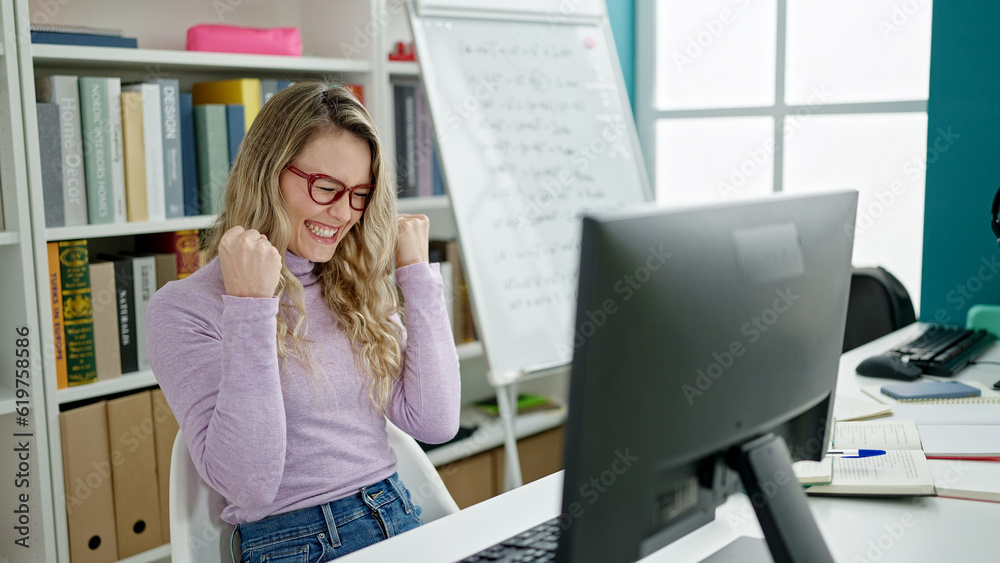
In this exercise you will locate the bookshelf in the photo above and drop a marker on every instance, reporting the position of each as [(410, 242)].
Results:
[(338, 43)]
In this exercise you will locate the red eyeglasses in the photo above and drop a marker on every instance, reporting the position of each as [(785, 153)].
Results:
[(325, 190)]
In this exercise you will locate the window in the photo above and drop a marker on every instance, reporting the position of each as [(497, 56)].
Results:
[(738, 98)]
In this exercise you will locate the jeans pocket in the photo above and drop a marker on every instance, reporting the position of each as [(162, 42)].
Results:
[(306, 549)]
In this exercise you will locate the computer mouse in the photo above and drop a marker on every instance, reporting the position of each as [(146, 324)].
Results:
[(889, 367)]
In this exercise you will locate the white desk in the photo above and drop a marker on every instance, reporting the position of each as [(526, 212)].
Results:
[(857, 530)]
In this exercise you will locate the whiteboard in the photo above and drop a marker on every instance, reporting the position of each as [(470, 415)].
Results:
[(534, 131)]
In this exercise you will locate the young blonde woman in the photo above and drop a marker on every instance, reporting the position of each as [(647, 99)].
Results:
[(283, 356)]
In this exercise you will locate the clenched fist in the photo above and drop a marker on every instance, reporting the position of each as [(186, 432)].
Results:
[(251, 265), (412, 243)]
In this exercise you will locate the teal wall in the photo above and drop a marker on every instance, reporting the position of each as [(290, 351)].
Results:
[(961, 264), (621, 14)]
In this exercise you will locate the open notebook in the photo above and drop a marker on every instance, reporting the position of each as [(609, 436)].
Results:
[(903, 470)]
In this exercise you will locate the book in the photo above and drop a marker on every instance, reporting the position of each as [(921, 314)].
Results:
[(847, 408), (173, 158), (970, 480), (125, 306), (84, 39), (103, 163), (102, 295), (424, 144), (902, 471), (152, 134), (78, 319), (404, 96), (65, 91), (137, 208), (144, 275), (189, 161), (212, 146), (75, 28), (50, 156), (526, 402), (166, 268), (987, 396), (55, 302), (244, 91), (456, 293), (182, 244), (358, 90), (234, 130)]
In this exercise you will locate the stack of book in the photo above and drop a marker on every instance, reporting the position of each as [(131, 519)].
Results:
[(112, 153), (99, 305), (90, 36), (418, 173)]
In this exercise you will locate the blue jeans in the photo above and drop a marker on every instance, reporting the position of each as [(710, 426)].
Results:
[(325, 532)]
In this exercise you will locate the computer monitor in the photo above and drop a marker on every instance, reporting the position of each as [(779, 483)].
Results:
[(707, 339)]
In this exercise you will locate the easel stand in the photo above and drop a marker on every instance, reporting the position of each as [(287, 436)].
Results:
[(507, 403)]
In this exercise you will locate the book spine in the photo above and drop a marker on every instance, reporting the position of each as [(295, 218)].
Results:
[(188, 156), (212, 144), (96, 131), (438, 178), (83, 39), (125, 300), (186, 249), (173, 167), (268, 88), (135, 157), (102, 290), (406, 133), (74, 272), (66, 92), (114, 110), (145, 285), (424, 133), (152, 122), (58, 330), (51, 160), (234, 130)]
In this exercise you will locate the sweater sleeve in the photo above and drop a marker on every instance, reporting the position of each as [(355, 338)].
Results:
[(426, 399), (216, 362)]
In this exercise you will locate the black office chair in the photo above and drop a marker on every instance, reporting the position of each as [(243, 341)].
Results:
[(878, 304)]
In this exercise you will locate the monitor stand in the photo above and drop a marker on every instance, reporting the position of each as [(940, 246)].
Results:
[(792, 536)]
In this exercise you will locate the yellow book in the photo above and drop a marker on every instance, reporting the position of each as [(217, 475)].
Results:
[(245, 91), (135, 157)]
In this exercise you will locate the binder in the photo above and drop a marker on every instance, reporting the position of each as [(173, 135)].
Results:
[(90, 505), (136, 488), (165, 430)]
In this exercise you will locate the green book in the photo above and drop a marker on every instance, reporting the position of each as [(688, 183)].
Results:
[(212, 148), (78, 316), (96, 132)]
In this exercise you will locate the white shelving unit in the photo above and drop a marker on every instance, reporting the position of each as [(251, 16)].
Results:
[(342, 39)]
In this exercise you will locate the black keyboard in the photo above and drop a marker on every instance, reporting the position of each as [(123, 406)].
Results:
[(534, 544), (943, 350)]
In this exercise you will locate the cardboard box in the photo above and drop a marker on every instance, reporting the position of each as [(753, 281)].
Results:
[(90, 505), (136, 487), (165, 431)]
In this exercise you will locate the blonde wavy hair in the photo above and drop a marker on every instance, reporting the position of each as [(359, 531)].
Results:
[(357, 283)]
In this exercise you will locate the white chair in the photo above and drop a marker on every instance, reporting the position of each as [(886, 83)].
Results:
[(198, 534)]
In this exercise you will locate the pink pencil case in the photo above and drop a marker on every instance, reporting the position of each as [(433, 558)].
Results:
[(233, 39)]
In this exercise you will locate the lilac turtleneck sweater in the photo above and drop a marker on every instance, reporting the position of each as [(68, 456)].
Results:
[(270, 436)]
